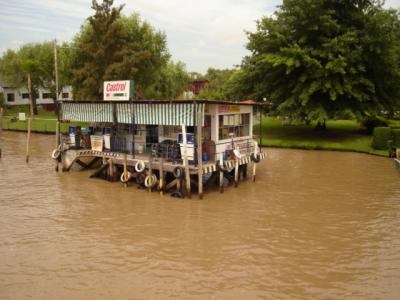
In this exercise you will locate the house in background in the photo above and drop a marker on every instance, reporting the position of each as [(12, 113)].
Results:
[(198, 85), (20, 96)]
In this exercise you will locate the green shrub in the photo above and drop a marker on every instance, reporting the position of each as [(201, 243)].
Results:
[(371, 122), (396, 138), (381, 137), (2, 102)]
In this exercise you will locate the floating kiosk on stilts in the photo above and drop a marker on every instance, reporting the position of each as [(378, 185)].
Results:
[(171, 146)]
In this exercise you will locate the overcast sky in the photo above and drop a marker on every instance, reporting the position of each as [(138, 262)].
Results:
[(207, 33)]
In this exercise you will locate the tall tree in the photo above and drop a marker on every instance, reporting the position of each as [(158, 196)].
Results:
[(33, 60), (315, 58), (171, 81), (115, 47)]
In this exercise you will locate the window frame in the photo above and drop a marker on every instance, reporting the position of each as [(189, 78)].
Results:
[(238, 123)]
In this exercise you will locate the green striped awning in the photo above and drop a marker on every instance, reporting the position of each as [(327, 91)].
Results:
[(87, 112), (145, 113)]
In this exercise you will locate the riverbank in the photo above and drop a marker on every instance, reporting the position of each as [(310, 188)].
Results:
[(340, 135)]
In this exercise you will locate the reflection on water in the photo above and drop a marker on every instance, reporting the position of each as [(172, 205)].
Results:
[(315, 225)]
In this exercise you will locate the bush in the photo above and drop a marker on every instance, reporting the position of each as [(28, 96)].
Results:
[(371, 122), (381, 138), (396, 138), (2, 102)]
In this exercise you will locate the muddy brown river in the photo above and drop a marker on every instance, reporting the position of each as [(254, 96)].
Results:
[(315, 225)]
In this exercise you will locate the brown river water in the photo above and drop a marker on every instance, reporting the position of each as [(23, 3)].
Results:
[(315, 225)]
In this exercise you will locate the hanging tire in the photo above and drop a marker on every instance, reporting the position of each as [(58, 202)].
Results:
[(128, 177), (255, 158), (140, 166), (178, 172), (56, 154), (150, 181)]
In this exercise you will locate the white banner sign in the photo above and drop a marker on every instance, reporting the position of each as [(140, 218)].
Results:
[(118, 90)]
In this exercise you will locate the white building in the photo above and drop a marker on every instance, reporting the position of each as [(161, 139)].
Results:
[(20, 96)]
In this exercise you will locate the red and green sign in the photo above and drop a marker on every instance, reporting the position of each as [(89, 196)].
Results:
[(118, 90)]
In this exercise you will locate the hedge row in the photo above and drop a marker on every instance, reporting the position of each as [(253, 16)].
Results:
[(382, 136)]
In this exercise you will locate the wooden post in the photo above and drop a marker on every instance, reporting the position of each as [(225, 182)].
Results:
[(199, 156), (254, 171), (150, 168), (236, 172), (125, 170), (161, 184), (244, 171), (256, 151), (111, 169), (221, 173), (28, 138), (57, 141), (185, 161)]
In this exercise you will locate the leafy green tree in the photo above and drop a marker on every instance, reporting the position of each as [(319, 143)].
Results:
[(317, 58), (172, 81), (34, 60), (114, 47), (217, 84)]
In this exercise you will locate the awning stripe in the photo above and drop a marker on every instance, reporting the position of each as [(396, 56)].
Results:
[(87, 112), (145, 114)]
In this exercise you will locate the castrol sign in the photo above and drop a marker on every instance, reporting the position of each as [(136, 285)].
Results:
[(118, 90)]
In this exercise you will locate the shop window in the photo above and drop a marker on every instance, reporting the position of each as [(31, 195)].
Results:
[(25, 95), (11, 97), (236, 125)]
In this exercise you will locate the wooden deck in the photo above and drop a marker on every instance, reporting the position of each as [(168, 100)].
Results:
[(71, 156)]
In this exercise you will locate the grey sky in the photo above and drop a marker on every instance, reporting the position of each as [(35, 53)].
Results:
[(207, 33)]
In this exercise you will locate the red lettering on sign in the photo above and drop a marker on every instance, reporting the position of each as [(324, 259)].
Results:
[(115, 87)]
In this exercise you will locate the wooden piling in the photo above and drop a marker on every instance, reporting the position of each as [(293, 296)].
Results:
[(111, 170), (57, 141), (256, 151), (186, 162), (28, 138), (150, 168), (161, 183), (221, 173), (236, 172), (125, 170), (254, 171), (199, 154)]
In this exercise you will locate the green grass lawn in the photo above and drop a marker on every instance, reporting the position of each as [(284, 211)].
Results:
[(44, 122), (13, 111), (341, 135), (38, 125)]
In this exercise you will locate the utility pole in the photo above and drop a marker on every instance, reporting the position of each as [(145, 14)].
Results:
[(58, 138)]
